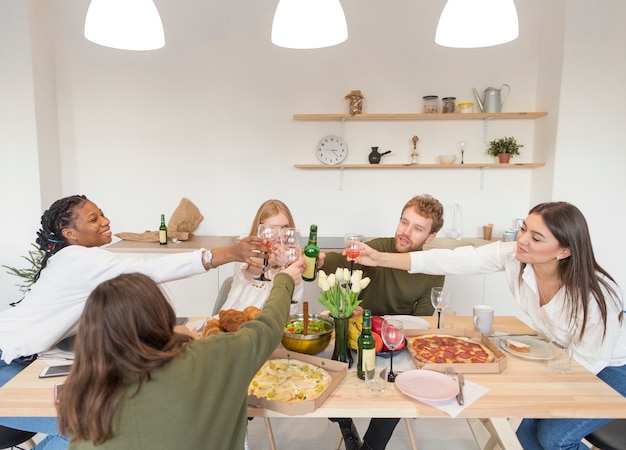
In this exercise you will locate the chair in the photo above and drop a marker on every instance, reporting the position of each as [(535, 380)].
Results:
[(611, 436), (10, 437), (222, 295)]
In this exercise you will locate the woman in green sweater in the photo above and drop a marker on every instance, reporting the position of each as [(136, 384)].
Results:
[(135, 383)]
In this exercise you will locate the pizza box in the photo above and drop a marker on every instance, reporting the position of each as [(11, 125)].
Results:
[(497, 366), (336, 369)]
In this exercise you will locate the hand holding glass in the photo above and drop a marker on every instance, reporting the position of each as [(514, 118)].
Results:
[(393, 335), (440, 298), (291, 246), (269, 235), (351, 249)]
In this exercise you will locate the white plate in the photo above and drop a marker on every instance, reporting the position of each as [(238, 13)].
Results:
[(427, 385), (538, 348), (410, 322)]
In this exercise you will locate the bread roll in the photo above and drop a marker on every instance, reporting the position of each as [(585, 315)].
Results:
[(251, 312), (231, 319), (212, 326)]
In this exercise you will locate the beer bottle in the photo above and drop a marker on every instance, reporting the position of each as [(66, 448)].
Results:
[(162, 231)]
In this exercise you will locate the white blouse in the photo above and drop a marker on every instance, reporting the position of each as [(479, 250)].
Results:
[(246, 292), (594, 352)]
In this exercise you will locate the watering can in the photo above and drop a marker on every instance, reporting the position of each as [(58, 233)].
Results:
[(492, 101)]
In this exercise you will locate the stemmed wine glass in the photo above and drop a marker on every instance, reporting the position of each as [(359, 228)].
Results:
[(393, 334), (291, 245), (351, 249), (462, 148), (269, 235), (440, 298)]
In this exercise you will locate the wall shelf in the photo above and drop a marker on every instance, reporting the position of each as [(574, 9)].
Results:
[(418, 166), (439, 116)]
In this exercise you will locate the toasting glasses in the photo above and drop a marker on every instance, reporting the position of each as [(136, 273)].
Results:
[(351, 248), (291, 245), (269, 235)]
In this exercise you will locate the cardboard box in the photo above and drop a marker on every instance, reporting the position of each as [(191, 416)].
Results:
[(336, 369), (497, 366)]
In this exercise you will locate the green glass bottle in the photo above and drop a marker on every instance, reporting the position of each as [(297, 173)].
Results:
[(163, 231), (366, 359), (311, 254)]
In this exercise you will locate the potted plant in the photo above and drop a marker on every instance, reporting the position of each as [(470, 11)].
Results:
[(504, 148)]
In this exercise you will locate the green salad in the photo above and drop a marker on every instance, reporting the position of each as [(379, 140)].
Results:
[(297, 327)]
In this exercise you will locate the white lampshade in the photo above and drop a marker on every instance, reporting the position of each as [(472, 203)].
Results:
[(477, 23), (303, 24), (124, 24)]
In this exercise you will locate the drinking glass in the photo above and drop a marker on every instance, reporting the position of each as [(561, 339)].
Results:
[(351, 248), (269, 235), (462, 147), (440, 298), (291, 245), (393, 334)]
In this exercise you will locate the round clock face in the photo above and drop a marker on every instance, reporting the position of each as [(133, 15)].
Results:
[(331, 150)]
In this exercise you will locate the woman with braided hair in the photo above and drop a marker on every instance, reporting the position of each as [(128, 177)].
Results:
[(72, 231)]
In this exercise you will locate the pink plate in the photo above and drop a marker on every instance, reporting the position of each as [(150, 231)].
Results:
[(427, 385)]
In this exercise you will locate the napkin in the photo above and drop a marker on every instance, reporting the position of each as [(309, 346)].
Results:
[(184, 220), (471, 393)]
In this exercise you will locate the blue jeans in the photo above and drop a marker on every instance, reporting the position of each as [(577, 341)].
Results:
[(43, 425), (544, 434)]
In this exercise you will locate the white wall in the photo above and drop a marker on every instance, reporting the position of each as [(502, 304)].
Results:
[(209, 117)]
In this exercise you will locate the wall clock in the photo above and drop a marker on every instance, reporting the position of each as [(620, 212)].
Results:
[(331, 150)]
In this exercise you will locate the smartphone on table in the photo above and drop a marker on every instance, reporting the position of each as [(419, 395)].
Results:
[(55, 371)]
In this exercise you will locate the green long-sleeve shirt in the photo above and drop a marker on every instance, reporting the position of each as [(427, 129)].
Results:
[(391, 291), (199, 399)]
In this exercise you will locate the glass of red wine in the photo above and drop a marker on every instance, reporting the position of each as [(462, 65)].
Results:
[(351, 248), (269, 235)]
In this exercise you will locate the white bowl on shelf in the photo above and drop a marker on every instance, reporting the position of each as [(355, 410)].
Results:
[(447, 159)]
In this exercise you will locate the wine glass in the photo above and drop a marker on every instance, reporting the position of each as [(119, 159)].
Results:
[(440, 298), (269, 234), (393, 334), (351, 248), (291, 245), (462, 147)]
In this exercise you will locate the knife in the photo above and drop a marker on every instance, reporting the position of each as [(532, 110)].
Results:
[(461, 381)]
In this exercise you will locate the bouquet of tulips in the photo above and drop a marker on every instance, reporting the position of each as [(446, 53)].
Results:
[(341, 298)]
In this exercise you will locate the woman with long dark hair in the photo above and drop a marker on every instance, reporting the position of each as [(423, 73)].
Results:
[(137, 384), (554, 277)]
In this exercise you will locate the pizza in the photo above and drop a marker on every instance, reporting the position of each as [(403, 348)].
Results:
[(442, 349), (289, 381)]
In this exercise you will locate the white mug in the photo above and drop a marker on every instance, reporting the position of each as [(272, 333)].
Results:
[(483, 318)]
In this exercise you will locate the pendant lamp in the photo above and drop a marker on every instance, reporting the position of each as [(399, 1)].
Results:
[(124, 24), (477, 23), (305, 24)]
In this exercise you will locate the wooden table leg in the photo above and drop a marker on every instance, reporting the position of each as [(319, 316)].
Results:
[(491, 432)]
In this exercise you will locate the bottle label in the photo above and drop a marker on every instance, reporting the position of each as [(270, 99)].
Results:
[(310, 267), (369, 362), (163, 237)]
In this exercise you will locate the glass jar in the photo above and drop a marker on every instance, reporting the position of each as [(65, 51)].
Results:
[(430, 104), (448, 104)]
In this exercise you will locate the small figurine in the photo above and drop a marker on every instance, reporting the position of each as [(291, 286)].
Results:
[(356, 102), (414, 154)]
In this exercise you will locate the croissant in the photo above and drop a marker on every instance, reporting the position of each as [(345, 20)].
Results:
[(211, 327), (251, 312), (231, 319)]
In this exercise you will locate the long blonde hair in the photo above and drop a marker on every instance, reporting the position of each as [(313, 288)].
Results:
[(268, 209)]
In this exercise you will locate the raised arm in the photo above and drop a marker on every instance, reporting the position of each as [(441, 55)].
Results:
[(374, 258), (243, 251)]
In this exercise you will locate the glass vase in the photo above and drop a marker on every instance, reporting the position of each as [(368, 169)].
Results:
[(341, 351)]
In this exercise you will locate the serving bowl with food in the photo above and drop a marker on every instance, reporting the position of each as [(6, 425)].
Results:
[(320, 330)]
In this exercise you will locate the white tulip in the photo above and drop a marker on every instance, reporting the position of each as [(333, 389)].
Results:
[(332, 279), (324, 284), (339, 274), (365, 282), (356, 287), (346, 274)]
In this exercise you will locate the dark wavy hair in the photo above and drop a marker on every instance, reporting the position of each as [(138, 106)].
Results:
[(59, 216), (581, 276), (125, 332)]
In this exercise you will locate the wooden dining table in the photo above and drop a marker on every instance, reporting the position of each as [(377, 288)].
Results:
[(525, 388)]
